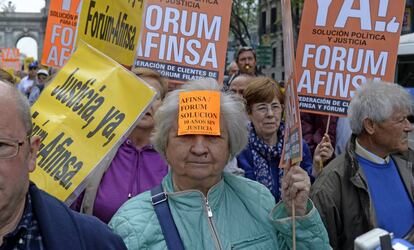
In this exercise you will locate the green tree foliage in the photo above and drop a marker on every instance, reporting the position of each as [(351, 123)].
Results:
[(297, 6), (243, 19)]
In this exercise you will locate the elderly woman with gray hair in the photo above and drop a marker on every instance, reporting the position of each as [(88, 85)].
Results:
[(211, 209)]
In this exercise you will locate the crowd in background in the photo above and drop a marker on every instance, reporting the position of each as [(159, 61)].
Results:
[(357, 171)]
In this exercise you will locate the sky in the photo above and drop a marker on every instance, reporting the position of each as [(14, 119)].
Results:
[(27, 45)]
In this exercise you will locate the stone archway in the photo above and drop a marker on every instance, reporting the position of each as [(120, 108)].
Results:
[(25, 41), (16, 25)]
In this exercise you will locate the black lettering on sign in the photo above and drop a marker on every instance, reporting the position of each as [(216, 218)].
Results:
[(57, 161), (108, 125), (80, 97)]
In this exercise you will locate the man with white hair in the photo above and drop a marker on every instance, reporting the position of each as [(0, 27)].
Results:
[(371, 184)]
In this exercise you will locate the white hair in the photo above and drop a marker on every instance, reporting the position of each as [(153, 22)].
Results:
[(232, 111), (377, 101)]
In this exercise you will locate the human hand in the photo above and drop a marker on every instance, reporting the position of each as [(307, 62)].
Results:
[(295, 187), (323, 152)]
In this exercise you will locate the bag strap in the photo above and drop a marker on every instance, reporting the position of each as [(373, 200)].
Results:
[(160, 204)]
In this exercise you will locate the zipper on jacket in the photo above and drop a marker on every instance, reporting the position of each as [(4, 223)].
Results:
[(211, 224), (209, 214)]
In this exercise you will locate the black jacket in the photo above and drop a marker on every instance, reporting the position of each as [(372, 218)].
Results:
[(61, 228)]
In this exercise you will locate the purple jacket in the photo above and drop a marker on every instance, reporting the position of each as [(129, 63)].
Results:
[(131, 172)]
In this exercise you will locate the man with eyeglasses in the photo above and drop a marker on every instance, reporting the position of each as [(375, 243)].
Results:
[(30, 218), (26, 84)]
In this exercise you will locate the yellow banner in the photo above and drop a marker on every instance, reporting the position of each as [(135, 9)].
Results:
[(26, 62), (81, 116), (112, 26), (199, 113)]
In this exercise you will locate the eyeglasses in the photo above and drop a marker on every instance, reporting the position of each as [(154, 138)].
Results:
[(263, 108), (10, 148)]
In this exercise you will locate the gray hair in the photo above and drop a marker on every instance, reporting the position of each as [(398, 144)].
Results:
[(231, 65), (377, 101), (23, 106), (232, 111)]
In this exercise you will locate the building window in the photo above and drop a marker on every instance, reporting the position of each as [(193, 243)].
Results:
[(274, 57), (283, 56), (273, 20), (263, 22)]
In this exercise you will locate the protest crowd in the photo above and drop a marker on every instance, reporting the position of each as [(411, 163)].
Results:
[(101, 154)]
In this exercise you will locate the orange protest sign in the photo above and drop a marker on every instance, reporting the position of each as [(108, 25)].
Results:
[(60, 32), (342, 44), (10, 58), (199, 113), (185, 41), (292, 147)]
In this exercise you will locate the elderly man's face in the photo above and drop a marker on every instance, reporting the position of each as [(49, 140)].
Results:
[(391, 135), (233, 69), (239, 84), (14, 171), (197, 158)]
